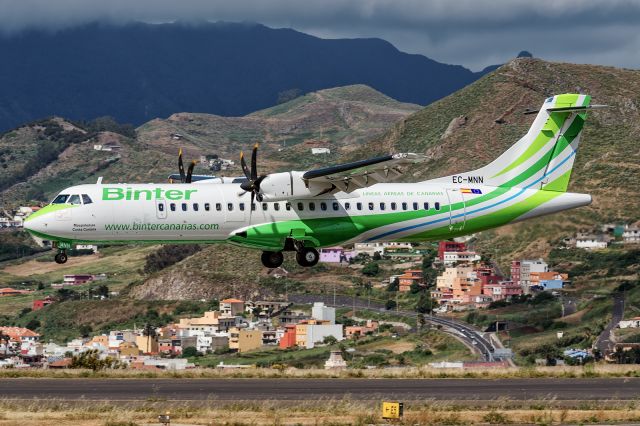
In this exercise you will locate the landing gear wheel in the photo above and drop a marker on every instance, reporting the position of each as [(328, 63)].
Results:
[(272, 259), (307, 256), (61, 257)]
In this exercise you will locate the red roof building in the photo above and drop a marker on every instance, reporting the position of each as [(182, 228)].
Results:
[(450, 246), (288, 339), (41, 303)]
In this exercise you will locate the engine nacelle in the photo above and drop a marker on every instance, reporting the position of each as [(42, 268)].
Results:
[(287, 185)]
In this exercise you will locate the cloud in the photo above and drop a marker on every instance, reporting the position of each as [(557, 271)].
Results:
[(474, 33)]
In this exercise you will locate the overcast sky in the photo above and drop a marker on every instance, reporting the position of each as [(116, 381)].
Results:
[(473, 33)]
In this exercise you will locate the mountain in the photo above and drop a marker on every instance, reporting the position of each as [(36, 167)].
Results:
[(43, 157), (469, 128), (137, 72)]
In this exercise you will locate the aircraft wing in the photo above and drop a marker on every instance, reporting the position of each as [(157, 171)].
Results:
[(361, 174)]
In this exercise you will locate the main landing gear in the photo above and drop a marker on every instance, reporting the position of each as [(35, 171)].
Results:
[(305, 256), (61, 257)]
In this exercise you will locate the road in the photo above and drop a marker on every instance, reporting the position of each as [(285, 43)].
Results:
[(468, 334), (314, 389), (604, 343)]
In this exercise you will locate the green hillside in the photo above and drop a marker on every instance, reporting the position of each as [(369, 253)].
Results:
[(607, 166)]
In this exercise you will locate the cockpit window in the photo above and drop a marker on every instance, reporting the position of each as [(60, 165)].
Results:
[(60, 199), (86, 199), (74, 199)]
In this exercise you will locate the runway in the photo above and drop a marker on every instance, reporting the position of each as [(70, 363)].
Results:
[(321, 389)]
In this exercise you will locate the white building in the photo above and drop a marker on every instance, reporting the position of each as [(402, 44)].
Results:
[(452, 257), (631, 235), (630, 323), (322, 312), (317, 332), (316, 151), (529, 266), (371, 248), (592, 242)]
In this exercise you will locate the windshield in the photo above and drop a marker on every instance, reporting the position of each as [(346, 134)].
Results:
[(60, 199), (74, 199)]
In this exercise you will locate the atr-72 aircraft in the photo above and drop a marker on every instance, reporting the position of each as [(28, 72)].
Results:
[(302, 211)]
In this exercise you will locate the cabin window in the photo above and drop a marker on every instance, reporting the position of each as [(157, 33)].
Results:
[(276, 206), (86, 199), (415, 206), (437, 205), (184, 207), (218, 207), (300, 206), (241, 206), (230, 207), (336, 206), (370, 206), (287, 206), (74, 199), (359, 206), (265, 206), (172, 206), (347, 206), (312, 206), (207, 206), (253, 207), (394, 206), (60, 199), (426, 206), (404, 206), (323, 206), (195, 207), (382, 207), (160, 207)]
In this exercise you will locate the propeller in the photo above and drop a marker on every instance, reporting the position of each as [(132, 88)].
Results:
[(252, 184), (185, 178)]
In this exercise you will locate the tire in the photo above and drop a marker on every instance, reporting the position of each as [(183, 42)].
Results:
[(307, 257), (61, 258), (272, 259)]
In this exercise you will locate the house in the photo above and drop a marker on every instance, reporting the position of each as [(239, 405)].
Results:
[(361, 330), (371, 248), (8, 291), (210, 322), (321, 312), (451, 247), (316, 151), (41, 303), (310, 332), (231, 307), (502, 290), (408, 278), (76, 279), (521, 271), (128, 349), (266, 307), (592, 242), (147, 344), (19, 336), (243, 340), (290, 317), (336, 255), (550, 280), (288, 339), (631, 235), (630, 323), (455, 257)]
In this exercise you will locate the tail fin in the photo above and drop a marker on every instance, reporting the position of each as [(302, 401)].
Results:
[(544, 157)]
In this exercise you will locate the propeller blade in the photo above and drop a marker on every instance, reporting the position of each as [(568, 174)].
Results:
[(245, 169), (180, 166), (190, 172), (254, 163)]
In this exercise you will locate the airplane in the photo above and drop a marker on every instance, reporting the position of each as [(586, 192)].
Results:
[(303, 211)]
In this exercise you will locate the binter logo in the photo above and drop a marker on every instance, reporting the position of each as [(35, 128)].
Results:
[(119, 194)]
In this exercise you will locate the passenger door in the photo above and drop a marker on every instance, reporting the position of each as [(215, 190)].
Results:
[(457, 209)]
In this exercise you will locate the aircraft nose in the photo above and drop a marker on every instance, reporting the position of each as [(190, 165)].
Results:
[(38, 222)]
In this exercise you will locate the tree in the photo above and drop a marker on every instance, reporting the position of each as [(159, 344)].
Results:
[(149, 330), (190, 352), (91, 359), (371, 269), (256, 311), (33, 324), (394, 284), (377, 256), (391, 304), (84, 330), (425, 304), (5, 338), (329, 340)]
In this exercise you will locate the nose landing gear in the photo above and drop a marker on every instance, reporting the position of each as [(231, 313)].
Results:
[(61, 257)]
